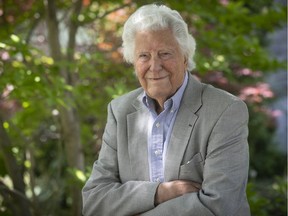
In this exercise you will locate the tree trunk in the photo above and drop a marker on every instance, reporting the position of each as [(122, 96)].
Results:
[(17, 197), (68, 114), (73, 149)]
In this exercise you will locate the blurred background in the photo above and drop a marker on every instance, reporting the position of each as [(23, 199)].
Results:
[(61, 63)]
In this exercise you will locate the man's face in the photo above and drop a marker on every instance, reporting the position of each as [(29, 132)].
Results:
[(159, 63)]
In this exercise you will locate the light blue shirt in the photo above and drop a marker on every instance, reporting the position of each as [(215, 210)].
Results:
[(159, 131)]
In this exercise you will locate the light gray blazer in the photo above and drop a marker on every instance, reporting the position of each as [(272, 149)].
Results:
[(208, 145)]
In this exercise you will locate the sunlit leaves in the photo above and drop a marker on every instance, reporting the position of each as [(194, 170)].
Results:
[(80, 176), (235, 29), (15, 38), (47, 60), (25, 104), (117, 90), (77, 176), (6, 125)]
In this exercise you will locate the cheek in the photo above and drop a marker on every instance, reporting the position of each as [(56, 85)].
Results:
[(178, 75), (140, 73), (140, 70)]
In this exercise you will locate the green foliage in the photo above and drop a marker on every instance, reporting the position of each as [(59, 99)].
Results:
[(266, 160), (268, 198), (231, 31)]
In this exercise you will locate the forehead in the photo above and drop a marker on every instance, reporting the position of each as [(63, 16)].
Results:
[(159, 39)]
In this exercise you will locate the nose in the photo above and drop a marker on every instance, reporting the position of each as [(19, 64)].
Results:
[(155, 64)]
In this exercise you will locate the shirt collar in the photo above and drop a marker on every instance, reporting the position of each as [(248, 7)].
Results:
[(172, 103)]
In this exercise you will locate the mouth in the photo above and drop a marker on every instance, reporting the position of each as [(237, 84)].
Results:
[(158, 78)]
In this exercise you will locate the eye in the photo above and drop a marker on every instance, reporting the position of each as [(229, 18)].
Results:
[(143, 56), (165, 55)]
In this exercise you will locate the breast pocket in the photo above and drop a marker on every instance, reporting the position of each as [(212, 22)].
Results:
[(193, 169)]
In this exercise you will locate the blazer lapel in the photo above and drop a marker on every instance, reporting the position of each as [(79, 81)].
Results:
[(137, 141), (182, 129)]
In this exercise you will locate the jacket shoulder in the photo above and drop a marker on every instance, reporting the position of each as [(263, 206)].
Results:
[(126, 101), (213, 95), (216, 101)]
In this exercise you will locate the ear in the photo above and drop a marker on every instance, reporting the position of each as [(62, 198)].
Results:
[(186, 62)]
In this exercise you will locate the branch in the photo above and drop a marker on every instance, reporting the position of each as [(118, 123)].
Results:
[(34, 25), (53, 29), (16, 201), (9, 160), (14, 193), (114, 9), (108, 12), (73, 27)]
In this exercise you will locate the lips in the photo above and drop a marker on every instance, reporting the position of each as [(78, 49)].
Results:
[(158, 78)]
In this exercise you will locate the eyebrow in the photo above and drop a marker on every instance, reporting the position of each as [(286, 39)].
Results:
[(161, 50)]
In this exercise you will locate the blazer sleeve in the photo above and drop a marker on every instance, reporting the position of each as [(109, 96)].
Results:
[(104, 193), (225, 171)]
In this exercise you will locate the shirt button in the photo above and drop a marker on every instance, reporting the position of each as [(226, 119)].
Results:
[(157, 152), (157, 180), (172, 111), (158, 124)]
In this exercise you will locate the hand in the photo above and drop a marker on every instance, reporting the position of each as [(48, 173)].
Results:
[(173, 189)]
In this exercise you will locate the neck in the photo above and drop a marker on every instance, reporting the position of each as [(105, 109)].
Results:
[(159, 106)]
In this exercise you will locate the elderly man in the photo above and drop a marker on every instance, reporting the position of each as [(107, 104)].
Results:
[(175, 146)]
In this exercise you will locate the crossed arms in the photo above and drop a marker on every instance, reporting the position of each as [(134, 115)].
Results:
[(222, 191)]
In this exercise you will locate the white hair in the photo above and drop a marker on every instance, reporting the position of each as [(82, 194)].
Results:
[(154, 17)]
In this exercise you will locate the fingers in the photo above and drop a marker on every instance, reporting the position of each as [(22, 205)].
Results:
[(193, 184), (184, 186), (173, 189)]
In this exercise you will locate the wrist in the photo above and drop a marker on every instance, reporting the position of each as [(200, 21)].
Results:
[(157, 197)]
